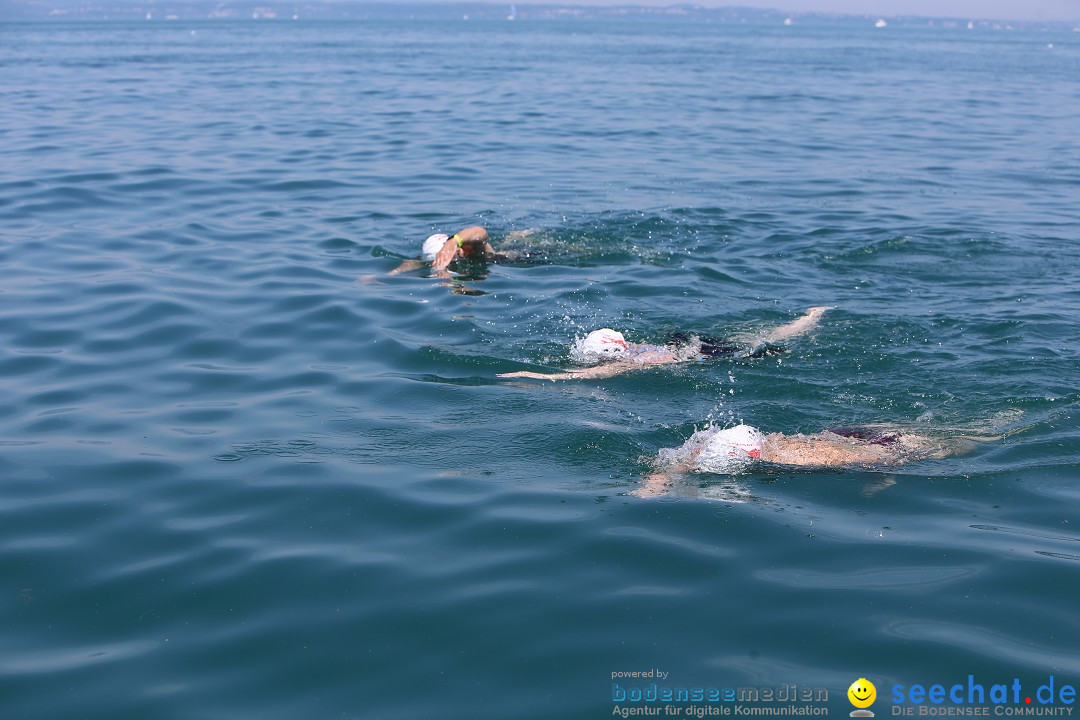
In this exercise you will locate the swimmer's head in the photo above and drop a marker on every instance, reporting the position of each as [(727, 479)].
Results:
[(603, 344), (730, 450), (432, 246), (605, 341)]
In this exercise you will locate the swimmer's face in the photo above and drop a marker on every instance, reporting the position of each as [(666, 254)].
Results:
[(862, 693)]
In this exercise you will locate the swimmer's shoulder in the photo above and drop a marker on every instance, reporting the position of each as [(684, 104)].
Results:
[(647, 353)]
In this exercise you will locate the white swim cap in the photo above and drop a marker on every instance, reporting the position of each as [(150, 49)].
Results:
[(432, 246), (604, 341), (730, 450)]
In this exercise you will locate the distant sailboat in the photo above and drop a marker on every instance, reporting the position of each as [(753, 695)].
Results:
[(880, 23), (513, 13), (788, 21)]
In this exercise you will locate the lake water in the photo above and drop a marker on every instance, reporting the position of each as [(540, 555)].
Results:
[(243, 473)]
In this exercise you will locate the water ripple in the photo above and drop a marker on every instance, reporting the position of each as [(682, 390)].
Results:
[(68, 659)]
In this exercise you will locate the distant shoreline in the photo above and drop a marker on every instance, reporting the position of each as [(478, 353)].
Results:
[(282, 10)]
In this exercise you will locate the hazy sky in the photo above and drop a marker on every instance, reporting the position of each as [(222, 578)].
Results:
[(986, 9)]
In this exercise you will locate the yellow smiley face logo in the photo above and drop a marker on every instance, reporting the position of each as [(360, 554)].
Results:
[(862, 693)]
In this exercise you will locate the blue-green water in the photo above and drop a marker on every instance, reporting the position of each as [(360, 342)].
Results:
[(243, 473)]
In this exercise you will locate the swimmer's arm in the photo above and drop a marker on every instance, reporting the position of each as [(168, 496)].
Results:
[(800, 326), (590, 373), (470, 241), (656, 484), (407, 266), (476, 238)]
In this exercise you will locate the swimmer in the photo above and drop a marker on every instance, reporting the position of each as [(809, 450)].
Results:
[(440, 250), (612, 355), (733, 449)]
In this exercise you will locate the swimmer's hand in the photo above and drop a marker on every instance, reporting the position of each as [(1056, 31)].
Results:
[(796, 327), (445, 256), (655, 485)]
